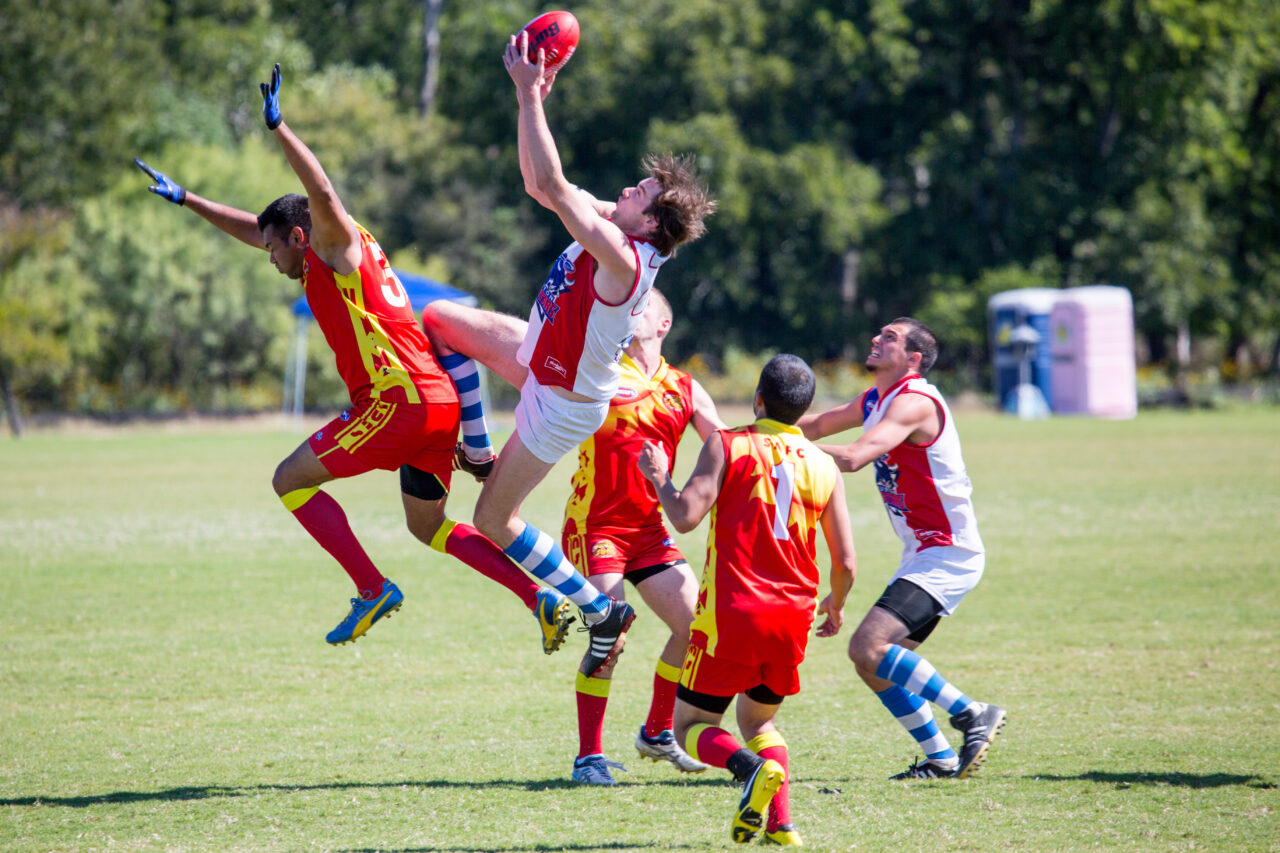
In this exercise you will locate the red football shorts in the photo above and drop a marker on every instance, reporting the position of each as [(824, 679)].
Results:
[(382, 434), (599, 552), (713, 676)]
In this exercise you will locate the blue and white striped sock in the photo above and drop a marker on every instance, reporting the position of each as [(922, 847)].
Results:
[(913, 673), (542, 558), (466, 378), (916, 717)]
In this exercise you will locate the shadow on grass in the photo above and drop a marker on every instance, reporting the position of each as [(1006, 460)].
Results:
[(207, 792), (608, 845), (1180, 780)]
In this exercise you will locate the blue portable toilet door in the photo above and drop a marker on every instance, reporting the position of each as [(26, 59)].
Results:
[(1007, 311)]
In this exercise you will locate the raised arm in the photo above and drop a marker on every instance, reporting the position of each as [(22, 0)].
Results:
[(240, 224), (910, 417), (544, 176), (838, 532), (706, 419), (686, 507), (333, 237)]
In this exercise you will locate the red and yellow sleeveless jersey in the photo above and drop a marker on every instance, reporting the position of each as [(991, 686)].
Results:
[(609, 494), (760, 585), (366, 317)]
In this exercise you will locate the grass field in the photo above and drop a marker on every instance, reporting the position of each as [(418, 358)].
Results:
[(164, 683)]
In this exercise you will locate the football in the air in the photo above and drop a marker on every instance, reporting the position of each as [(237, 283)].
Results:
[(557, 34)]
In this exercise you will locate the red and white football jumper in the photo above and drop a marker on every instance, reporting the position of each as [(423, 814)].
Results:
[(575, 338), (927, 495)]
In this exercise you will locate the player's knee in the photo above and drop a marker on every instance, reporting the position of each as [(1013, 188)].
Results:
[(432, 323), (679, 635), (423, 529), (492, 524), (866, 656), (280, 480)]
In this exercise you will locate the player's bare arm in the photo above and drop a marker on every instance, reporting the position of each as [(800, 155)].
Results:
[(602, 208), (706, 419), (910, 417), (334, 237), (240, 224), (838, 531), (832, 421), (544, 178), (685, 508)]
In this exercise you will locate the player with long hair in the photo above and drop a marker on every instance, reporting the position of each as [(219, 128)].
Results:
[(564, 359)]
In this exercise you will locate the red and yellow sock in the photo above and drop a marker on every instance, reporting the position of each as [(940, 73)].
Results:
[(463, 542), (593, 697), (666, 678), (771, 745), (711, 744), (320, 515)]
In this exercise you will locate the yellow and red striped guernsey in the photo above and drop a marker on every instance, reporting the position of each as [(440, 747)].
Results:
[(609, 494), (760, 584), (369, 324)]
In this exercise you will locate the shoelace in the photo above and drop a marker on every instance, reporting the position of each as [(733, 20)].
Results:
[(604, 763), (355, 604)]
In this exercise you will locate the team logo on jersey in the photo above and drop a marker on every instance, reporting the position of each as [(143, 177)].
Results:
[(672, 401), (552, 363), (557, 283), (603, 548), (934, 538), (668, 542), (346, 415), (887, 483)]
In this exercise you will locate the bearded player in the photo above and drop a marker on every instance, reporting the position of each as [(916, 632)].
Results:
[(613, 531), (910, 438), (404, 409)]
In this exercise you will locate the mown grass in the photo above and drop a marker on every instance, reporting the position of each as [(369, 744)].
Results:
[(164, 684)]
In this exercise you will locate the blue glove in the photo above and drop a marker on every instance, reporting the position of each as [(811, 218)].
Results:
[(163, 187), (271, 99)]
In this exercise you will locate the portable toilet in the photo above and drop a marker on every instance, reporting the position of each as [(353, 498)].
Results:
[(1006, 312), (1094, 359)]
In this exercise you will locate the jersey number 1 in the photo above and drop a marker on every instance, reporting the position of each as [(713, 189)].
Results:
[(785, 475)]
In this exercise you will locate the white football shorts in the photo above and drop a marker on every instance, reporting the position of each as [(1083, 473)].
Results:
[(551, 426), (946, 573)]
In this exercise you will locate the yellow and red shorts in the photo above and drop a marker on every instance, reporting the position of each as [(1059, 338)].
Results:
[(384, 434), (712, 676), (610, 551)]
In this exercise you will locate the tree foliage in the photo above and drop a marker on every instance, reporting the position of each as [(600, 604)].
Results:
[(871, 158)]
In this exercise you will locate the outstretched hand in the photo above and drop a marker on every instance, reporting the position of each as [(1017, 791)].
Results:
[(271, 99), (163, 186), (528, 72)]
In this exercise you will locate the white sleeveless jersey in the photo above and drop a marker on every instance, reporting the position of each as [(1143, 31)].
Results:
[(575, 338), (925, 488)]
